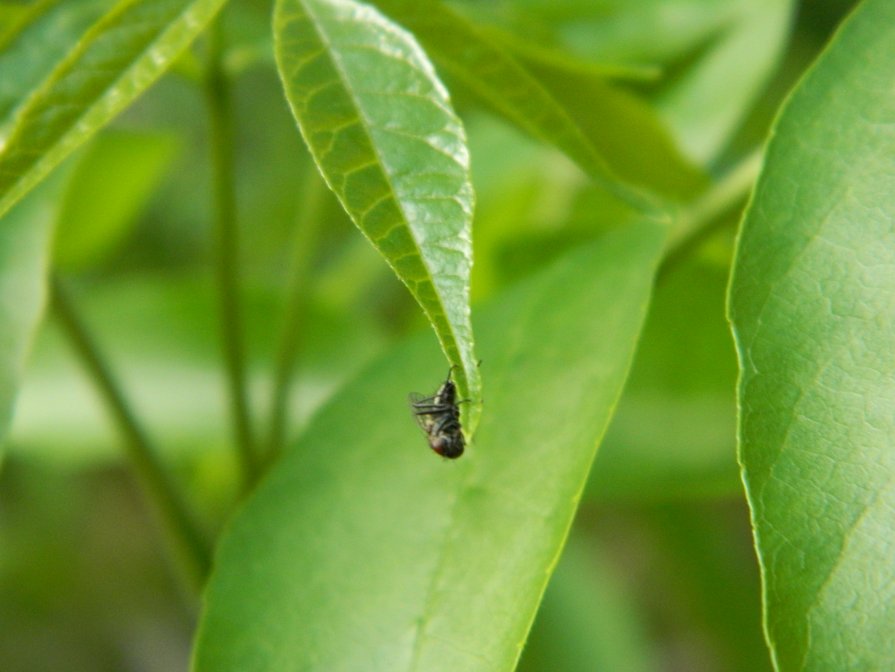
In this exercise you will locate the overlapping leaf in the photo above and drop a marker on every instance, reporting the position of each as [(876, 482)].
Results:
[(109, 187), (813, 306)]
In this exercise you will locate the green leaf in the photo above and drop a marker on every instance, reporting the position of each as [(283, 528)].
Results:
[(36, 42), (812, 306), (718, 54), (159, 333), (381, 128), (646, 31), (362, 550), (674, 434), (709, 580), (115, 61), (708, 101), (611, 32), (110, 185), (625, 130), (24, 241), (588, 620), (498, 80)]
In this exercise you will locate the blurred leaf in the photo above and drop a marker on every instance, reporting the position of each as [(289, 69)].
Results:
[(160, 335), (710, 99), (612, 33), (381, 128), (527, 50), (812, 307), (708, 571), (82, 588), (718, 54), (362, 536), (114, 62), (626, 132), (521, 186), (674, 434), (494, 77), (35, 42), (109, 187), (587, 621), (24, 239)]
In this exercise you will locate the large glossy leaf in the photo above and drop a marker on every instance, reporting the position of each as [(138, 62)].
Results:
[(362, 550), (813, 306), (115, 61), (488, 71), (381, 128)]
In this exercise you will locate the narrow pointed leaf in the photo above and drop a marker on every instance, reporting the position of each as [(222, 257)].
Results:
[(115, 61), (362, 551), (813, 306), (381, 128)]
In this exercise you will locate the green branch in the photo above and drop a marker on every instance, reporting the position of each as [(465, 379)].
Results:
[(711, 211), (188, 542), (307, 228), (220, 119)]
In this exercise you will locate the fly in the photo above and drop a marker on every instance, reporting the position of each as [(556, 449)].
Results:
[(439, 418)]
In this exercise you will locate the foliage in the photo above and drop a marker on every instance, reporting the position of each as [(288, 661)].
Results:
[(234, 237)]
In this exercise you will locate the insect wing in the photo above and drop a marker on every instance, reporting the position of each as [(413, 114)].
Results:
[(421, 406)]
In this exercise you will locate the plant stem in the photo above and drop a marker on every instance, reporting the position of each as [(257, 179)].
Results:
[(220, 118), (711, 211), (307, 228), (188, 542)]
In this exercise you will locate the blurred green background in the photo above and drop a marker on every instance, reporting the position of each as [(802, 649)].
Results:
[(659, 572)]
